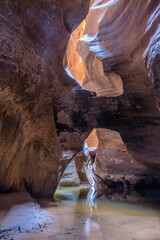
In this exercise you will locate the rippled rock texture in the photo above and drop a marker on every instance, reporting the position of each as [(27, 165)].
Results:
[(35, 127), (124, 35)]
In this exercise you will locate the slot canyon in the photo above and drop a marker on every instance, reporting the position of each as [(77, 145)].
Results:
[(80, 119)]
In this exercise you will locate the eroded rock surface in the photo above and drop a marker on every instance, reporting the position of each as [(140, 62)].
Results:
[(125, 36), (33, 85), (113, 162), (106, 84), (107, 163), (74, 61)]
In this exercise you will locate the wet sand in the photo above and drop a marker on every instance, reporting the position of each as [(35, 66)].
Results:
[(100, 219)]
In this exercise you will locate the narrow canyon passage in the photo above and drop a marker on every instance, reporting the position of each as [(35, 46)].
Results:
[(80, 119)]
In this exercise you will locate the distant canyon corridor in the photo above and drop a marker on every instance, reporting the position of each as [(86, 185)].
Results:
[(46, 114)]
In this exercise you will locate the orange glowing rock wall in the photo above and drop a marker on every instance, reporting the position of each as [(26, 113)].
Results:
[(74, 61), (92, 140)]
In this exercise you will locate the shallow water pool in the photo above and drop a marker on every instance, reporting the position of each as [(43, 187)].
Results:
[(112, 217)]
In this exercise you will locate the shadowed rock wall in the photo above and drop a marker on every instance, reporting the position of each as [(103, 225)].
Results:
[(33, 84), (124, 35)]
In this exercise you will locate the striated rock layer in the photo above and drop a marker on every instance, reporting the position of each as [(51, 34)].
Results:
[(124, 35), (33, 86), (74, 61), (106, 161), (113, 162)]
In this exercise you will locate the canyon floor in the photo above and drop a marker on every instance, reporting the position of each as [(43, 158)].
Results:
[(77, 216)]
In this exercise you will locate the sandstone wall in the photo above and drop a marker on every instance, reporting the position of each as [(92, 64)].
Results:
[(124, 36), (33, 84)]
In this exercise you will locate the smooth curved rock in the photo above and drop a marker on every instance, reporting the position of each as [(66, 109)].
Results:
[(74, 61), (113, 162), (106, 84), (33, 40), (109, 163), (126, 35)]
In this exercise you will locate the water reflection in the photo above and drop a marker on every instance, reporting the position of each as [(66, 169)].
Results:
[(115, 215), (92, 224), (91, 196)]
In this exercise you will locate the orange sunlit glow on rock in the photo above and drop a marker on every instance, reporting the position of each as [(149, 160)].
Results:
[(75, 63), (92, 140)]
